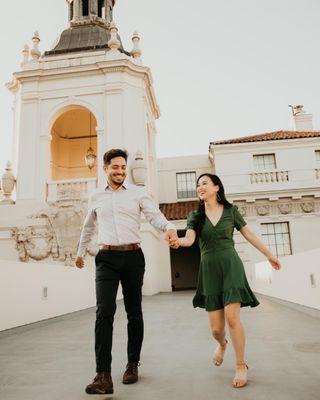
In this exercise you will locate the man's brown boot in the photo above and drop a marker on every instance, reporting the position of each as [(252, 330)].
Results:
[(102, 384), (131, 374)]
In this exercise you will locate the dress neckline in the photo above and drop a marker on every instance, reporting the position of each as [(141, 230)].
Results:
[(219, 220)]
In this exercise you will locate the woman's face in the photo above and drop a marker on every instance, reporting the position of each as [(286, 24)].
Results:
[(206, 188)]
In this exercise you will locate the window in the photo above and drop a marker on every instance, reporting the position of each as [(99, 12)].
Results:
[(101, 9), (186, 185), (317, 152), (85, 8), (264, 162), (277, 237)]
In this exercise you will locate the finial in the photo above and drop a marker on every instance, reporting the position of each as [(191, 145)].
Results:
[(136, 51), (8, 184), (35, 52), (25, 53), (114, 42)]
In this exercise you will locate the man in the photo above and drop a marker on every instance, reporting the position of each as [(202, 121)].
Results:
[(117, 211)]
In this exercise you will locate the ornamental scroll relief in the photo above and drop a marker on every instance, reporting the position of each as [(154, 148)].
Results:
[(59, 237)]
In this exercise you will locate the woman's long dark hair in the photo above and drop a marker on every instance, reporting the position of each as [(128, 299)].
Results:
[(221, 198)]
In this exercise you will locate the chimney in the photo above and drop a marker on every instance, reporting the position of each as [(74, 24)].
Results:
[(301, 121)]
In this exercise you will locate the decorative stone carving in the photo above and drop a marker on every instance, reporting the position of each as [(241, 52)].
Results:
[(114, 42), (136, 51), (25, 53), (8, 184), (307, 206), (243, 210), (61, 234), (263, 210), (35, 52), (28, 240), (139, 169), (285, 208)]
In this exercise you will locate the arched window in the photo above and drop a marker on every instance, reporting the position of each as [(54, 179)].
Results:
[(85, 8), (101, 9)]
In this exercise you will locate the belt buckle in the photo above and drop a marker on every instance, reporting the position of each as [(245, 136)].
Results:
[(121, 247)]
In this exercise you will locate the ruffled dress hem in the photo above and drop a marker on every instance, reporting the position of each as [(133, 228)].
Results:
[(215, 302)]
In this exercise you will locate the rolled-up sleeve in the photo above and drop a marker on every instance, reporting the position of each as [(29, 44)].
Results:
[(153, 213), (87, 230)]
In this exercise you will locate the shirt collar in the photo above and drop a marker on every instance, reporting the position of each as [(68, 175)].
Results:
[(124, 186)]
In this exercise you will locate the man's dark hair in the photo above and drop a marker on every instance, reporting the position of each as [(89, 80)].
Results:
[(109, 155)]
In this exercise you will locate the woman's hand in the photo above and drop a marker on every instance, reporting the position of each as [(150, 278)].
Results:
[(174, 243), (275, 263)]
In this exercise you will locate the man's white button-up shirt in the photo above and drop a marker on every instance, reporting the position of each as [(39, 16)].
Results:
[(118, 216)]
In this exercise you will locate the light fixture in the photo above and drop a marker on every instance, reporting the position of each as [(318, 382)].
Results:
[(90, 157)]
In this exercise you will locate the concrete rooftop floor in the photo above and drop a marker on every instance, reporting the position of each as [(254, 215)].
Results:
[(54, 359)]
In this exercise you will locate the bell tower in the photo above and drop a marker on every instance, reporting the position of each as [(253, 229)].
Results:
[(78, 99), (72, 103)]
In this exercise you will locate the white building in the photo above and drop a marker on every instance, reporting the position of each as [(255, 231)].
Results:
[(274, 179), (88, 93)]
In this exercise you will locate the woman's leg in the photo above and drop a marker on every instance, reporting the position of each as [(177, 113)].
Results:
[(217, 324), (232, 315)]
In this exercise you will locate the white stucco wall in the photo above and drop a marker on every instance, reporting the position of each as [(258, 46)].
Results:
[(292, 282), (234, 164), (169, 167), (21, 302)]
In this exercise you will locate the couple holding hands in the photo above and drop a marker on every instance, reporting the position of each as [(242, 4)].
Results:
[(222, 284)]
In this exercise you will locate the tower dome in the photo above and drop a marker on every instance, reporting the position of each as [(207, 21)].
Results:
[(89, 27)]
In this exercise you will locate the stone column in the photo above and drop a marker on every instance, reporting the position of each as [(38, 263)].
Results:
[(44, 164), (101, 149), (77, 9), (108, 12), (93, 7)]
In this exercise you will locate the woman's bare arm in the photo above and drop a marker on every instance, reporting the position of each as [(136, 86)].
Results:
[(186, 241), (257, 243)]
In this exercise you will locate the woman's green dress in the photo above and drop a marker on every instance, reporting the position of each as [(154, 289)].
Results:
[(222, 279)]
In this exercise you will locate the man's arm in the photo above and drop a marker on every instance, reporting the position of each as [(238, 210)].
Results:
[(155, 216), (85, 237)]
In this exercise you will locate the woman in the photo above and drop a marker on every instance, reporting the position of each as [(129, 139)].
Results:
[(222, 284)]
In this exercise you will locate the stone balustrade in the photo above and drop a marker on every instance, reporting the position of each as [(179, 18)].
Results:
[(269, 177), (70, 188)]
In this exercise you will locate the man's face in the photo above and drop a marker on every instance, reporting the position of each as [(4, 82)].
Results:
[(116, 171)]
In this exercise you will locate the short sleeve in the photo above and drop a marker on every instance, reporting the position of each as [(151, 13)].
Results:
[(239, 222), (192, 221)]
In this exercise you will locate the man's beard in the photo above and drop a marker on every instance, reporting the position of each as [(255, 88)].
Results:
[(116, 183)]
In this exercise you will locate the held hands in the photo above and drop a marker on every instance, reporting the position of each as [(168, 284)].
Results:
[(172, 239), (275, 263), (79, 262)]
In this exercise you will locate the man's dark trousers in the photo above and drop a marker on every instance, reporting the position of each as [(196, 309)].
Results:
[(113, 267)]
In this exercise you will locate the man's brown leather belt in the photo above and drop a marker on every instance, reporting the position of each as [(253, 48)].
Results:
[(123, 247)]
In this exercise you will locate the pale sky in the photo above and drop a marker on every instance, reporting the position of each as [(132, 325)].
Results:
[(221, 68)]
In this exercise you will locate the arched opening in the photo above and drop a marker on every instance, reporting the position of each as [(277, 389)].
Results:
[(85, 8), (71, 10), (73, 133), (101, 9)]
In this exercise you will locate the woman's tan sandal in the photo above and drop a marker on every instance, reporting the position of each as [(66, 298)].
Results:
[(241, 377), (219, 353)]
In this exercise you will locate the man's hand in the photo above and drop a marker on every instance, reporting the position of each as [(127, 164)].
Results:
[(171, 236), (79, 262), (174, 243)]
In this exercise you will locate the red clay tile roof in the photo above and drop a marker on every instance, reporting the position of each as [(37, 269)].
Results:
[(278, 135), (176, 211)]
